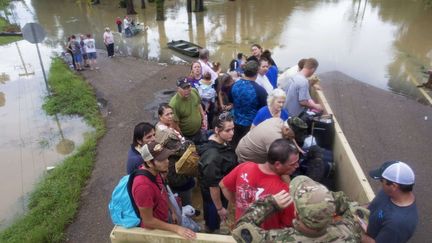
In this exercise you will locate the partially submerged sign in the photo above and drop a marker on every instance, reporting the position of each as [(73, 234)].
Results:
[(33, 33)]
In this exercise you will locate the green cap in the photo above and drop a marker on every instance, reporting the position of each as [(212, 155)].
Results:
[(296, 121), (314, 202)]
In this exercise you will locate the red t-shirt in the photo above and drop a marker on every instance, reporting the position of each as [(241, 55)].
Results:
[(148, 195), (249, 184)]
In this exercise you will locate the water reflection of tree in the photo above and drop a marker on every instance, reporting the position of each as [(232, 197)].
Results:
[(2, 99), (160, 16), (225, 28), (413, 43)]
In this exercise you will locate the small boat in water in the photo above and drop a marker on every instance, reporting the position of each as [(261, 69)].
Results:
[(185, 47)]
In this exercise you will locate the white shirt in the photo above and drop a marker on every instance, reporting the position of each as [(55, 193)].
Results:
[(285, 78), (90, 45), (208, 67), (264, 82), (126, 23)]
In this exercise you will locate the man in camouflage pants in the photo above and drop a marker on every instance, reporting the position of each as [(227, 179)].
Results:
[(316, 207)]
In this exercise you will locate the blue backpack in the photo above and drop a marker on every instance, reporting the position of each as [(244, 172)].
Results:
[(122, 207)]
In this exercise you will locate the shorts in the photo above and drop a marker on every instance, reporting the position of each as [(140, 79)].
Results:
[(92, 55), (85, 56), (78, 57)]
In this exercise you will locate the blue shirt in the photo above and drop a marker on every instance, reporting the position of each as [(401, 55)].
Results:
[(134, 160), (272, 75), (264, 114), (389, 222), (248, 97)]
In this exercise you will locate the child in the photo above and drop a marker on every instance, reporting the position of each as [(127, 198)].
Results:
[(237, 64), (208, 95), (223, 89), (119, 24)]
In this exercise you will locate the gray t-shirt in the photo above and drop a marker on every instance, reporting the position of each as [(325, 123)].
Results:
[(297, 91), (255, 144)]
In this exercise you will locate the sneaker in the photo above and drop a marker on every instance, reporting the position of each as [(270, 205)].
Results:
[(91, 68)]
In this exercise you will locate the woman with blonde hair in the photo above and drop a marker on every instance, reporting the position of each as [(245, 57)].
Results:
[(195, 75), (274, 108)]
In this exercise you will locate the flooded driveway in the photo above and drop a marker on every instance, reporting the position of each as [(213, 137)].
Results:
[(386, 43)]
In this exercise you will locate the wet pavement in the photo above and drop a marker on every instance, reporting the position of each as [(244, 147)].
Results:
[(383, 126)]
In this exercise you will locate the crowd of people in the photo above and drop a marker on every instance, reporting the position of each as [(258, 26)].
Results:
[(127, 26), (82, 51), (246, 125)]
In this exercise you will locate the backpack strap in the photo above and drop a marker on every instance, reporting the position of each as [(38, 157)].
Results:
[(132, 176)]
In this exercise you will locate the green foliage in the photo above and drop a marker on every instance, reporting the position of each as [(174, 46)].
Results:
[(5, 26), (71, 95), (54, 202), (4, 4), (122, 3)]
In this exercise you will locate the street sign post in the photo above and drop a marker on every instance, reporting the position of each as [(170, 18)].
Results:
[(34, 33)]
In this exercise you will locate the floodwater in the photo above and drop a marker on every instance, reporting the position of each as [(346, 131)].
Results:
[(385, 43), (31, 143)]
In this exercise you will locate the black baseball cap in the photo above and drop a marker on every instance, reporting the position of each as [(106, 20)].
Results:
[(183, 82)]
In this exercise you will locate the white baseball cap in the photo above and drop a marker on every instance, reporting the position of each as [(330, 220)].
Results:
[(394, 171)]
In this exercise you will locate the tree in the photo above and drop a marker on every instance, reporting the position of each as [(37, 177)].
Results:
[(199, 6), (189, 6), (142, 3), (160, 16), (130, 7)]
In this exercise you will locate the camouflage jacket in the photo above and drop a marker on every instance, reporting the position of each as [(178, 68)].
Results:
[(344, 228)]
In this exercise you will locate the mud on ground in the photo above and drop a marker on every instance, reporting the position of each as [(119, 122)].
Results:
[(129, 90)]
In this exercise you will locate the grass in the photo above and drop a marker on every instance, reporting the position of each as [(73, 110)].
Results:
[(5, 26), (54, 202)]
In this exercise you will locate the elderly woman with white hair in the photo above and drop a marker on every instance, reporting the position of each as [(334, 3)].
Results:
[(274, 108)]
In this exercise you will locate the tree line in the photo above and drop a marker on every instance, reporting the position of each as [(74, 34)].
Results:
[(130, 8)]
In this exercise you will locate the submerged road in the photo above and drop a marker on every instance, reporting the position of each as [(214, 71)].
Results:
[(380, 126)]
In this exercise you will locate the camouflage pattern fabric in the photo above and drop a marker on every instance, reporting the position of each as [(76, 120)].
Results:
[(342, 228), (314, 203)]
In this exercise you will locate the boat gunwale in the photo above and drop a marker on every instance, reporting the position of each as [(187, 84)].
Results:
[(363, 195)]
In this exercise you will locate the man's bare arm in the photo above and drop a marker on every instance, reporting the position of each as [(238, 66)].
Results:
[(227, 193)]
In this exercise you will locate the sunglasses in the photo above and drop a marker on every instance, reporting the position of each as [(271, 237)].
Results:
[(225, 116)]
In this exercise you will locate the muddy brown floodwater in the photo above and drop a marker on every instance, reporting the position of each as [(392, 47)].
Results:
[(31, 143), (380, 42)]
